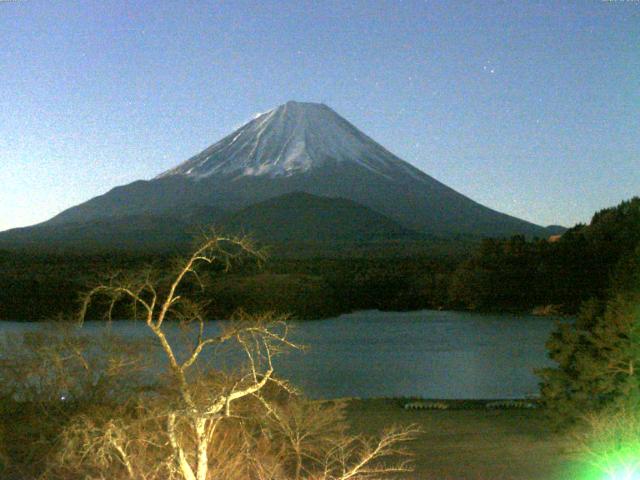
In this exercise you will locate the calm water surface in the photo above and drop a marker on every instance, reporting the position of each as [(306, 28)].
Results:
[(430, 354)]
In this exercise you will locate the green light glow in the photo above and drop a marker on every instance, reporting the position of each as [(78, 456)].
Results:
[(621, 464), (625, 473), (610, 445)]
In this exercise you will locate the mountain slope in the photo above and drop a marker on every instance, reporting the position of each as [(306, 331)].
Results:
[(301, 217), (302, 147), (130, 232), (291, 218), (292, 139)]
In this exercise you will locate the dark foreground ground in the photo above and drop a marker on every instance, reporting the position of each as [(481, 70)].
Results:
[(475, 444)]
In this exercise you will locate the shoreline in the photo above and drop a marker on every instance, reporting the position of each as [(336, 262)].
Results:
[(515, 313)]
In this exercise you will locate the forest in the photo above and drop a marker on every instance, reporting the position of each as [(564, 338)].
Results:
[(511, 274)]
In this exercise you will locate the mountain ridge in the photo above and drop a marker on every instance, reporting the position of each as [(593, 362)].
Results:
[(302, 147)]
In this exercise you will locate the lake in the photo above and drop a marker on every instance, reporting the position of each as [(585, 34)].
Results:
[(428, 353)]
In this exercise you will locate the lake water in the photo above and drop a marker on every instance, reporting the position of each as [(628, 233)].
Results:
[(430, 354)]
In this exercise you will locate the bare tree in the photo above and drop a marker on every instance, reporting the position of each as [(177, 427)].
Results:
[(57, 363), (206, 423), (50, 374), (260, 339)]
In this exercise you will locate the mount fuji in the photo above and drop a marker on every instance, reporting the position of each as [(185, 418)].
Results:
[(294, 148)]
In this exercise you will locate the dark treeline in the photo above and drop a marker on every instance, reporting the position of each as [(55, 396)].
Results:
[(597, 356), (39, 286), (513, 274)]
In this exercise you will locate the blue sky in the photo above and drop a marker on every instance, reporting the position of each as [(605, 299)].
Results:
[(531, 108)]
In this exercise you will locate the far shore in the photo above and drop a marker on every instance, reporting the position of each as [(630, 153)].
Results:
[(545, 311)]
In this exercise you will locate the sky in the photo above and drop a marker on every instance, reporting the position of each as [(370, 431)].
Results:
[(530, 108)]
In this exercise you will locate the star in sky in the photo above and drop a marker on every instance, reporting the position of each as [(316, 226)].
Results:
[(488, 68)]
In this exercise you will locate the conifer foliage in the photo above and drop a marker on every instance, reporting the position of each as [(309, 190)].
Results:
[(598, 355)]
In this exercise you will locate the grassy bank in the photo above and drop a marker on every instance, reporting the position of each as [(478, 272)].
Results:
[(474, 444)]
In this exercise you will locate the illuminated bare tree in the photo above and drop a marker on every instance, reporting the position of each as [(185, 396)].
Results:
[(260, 338), (209, 423)]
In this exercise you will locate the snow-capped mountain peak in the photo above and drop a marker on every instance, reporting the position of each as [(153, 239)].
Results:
[(290, 139), (294, 148)]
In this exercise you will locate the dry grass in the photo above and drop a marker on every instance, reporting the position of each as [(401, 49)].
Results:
[(473, 444)]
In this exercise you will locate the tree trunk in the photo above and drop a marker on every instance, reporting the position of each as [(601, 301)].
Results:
[(183, 464), (201, 454)]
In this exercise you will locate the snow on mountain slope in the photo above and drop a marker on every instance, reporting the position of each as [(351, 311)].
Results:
[(290, 139)]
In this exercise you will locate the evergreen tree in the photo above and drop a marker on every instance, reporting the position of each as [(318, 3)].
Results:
[(598, 356)]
